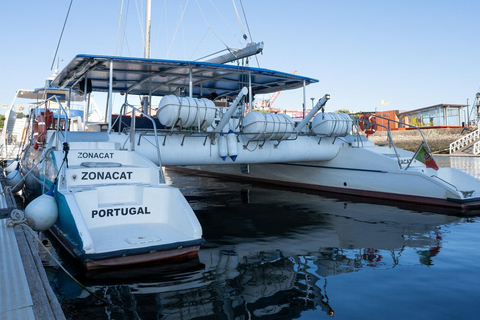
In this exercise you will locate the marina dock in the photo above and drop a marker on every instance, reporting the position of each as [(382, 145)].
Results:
[(25, 292)]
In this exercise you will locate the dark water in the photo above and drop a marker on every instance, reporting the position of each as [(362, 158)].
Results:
[(277, 254)]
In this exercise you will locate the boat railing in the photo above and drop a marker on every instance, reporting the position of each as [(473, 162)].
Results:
[(391, 143), (132, 131), (389, 135), (446, 182), (186, 133), (65, 134), (61, 111)]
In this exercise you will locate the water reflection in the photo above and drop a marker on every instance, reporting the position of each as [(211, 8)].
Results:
[(268, 254), (470, 165)]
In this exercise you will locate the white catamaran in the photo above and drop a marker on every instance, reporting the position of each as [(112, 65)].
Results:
[(105, 171), (114, 206), (330, 153)]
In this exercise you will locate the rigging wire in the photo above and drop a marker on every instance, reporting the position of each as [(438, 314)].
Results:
[(139, 22), (239, 20), (210, 27), (248, 28), (166, 23), (119, 27), (159, 30), (199, 43), (61, 34), (226, 23), (125, 39), (183, 35), (246, 21), (176, 30)]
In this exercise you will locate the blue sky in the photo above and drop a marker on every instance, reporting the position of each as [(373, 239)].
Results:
[(412, 54)]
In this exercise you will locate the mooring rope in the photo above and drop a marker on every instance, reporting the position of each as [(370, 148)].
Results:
[(17, 218)]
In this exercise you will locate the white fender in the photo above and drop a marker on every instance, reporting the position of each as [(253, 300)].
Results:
[(232, 145), (12, 166), (222, 146), (42, 212), (14, 180)]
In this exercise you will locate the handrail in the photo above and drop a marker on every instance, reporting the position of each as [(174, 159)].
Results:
[(465, 140), (67, 119), (61, 108), (391, 139), (65, 134), (435, 176), (476, 148), (132, 132)]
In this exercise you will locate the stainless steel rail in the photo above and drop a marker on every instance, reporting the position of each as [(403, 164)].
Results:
[(132, 132)]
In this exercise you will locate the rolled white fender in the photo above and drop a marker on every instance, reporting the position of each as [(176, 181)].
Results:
[(222, 146), (232, 145), (14, 180), (42, 212), (12, 166)]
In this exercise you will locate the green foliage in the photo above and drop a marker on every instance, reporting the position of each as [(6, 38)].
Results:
[(2, 120), (20, 115), (343, 111)]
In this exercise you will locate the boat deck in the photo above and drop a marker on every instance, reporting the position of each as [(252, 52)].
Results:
[(110, 238)]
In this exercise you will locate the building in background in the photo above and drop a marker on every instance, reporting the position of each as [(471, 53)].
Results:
[(433, 117), (437, 116), (384, 123)]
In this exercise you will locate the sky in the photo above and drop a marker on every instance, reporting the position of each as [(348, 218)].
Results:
[(412, 54)]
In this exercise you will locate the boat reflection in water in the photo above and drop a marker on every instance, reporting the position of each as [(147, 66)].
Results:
[(268, 254)]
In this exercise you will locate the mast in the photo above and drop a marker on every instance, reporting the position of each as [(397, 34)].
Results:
[(148, 27), (146, 54)]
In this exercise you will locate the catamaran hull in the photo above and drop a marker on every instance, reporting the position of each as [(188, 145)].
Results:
[(358, 193), (364, 173), (122, 258)]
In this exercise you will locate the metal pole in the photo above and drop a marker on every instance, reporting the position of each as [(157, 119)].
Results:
[(110, 98), (231, 110), (304, 100), (468, 115), (250, 91), (85, 103), (190, 83), (148, 20), (320, 105), (149, 106)]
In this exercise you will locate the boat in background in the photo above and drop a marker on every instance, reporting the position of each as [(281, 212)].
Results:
[(325, 151)]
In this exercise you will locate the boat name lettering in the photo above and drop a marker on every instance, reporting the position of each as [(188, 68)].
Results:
[(102, 213), (405, 161), (101, 175), (95, 155)]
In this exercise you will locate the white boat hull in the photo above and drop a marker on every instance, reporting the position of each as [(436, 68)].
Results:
[(370, 172), (114, 208)]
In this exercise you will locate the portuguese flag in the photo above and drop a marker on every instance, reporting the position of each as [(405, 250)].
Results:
[(423, 155)]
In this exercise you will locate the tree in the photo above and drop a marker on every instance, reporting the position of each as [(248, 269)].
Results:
[(342, 111)]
